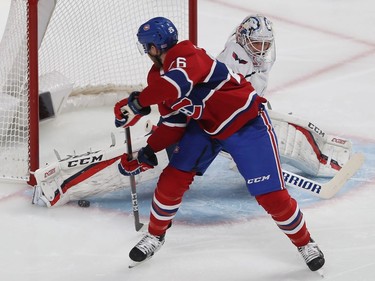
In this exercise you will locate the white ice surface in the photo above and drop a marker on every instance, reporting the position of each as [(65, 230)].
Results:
[(324, 72)]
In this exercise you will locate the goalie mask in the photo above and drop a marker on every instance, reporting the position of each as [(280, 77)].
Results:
[(255, 35), (159, 32)]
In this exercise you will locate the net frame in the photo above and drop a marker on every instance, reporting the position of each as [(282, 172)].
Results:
[(31, 47)]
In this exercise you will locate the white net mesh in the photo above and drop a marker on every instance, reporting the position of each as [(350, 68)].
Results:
[(91, 43), (99, 48), (14, 96)]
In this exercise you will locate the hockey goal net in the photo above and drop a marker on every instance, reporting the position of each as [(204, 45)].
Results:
[(55, 47)]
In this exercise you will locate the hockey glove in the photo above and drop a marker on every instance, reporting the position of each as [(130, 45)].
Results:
[(145, 160), (129, 111)]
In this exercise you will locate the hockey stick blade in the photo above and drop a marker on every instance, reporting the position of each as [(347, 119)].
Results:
[(329, 189)]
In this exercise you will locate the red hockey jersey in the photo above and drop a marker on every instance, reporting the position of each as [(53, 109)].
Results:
[(199, 86)]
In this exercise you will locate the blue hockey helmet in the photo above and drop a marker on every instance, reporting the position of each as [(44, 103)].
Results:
[(159, 32)]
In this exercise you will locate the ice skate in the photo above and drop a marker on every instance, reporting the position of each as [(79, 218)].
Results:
[(312, 255), (145, 248)]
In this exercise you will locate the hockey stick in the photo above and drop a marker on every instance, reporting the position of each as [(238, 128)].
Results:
[(322, 190), (138, 225), (329, 189)]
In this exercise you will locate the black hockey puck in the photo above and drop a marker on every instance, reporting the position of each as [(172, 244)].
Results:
[(84, 203)]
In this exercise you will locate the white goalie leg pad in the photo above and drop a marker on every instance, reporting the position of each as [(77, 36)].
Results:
[(79, 176), (338, 152), (306, 147), (294, 149), (91, 181), (48, 180)]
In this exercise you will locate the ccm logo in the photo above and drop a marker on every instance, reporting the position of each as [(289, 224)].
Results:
[(258, 179), (49, 173), (316, 129), (84, 161)]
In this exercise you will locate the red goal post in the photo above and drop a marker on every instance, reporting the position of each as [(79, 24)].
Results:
[(67, 48)]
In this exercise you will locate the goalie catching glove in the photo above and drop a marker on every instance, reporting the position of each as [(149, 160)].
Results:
[(128, 111), (146, 159)]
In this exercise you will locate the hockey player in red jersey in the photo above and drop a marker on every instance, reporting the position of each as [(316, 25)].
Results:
[(206, 108)]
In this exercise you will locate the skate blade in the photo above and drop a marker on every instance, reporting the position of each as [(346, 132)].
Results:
[(133, 264), (320, 272)]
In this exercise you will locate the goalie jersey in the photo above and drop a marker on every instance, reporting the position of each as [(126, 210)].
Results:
[(256, 71)]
